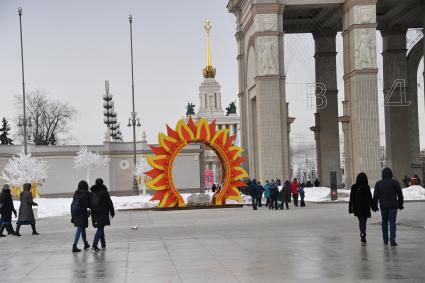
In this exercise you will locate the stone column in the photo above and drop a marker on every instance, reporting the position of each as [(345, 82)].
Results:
[(326, 130), (272, 132), (361, 117), (395, 97), (242, 95)]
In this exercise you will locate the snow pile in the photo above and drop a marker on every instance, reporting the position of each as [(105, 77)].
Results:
[(414, 193)]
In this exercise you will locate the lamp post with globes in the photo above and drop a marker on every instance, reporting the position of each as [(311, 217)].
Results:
[(133, 120), (24, 123)]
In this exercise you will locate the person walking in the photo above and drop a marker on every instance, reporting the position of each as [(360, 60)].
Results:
[(360, 203), (286, 194), (101, 206), (26, 215), (267, 193), (260, 193), (294, 191), (301, 191), (80, 214), (253, 192), (274, 191), (6, 210), (390, 196)]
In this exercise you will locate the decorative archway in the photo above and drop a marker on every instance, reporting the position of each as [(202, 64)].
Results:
[(174, 141)]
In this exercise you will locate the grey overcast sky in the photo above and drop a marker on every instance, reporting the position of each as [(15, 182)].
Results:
[(71, 47)]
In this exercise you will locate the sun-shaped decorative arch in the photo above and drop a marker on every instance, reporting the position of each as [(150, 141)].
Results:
[(174, 141)]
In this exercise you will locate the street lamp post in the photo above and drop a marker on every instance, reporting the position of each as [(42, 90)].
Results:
[(133, 121), (24, 120)]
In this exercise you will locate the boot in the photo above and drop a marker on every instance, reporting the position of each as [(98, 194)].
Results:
[(94, 248), (34, 231), (363, 239), (75, 249), (18, 226), (86, 246)]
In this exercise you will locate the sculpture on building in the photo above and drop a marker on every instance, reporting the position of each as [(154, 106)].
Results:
[(365, 51), (267, 56)]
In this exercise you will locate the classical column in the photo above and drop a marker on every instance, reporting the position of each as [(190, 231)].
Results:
[(361, 117), (242, 94), (395, 100), (326, 130), (272, 132), (413, 59)]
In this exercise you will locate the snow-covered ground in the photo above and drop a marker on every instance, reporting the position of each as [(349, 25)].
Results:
[(49, 207)]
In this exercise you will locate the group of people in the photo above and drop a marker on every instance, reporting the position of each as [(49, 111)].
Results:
[(277, 196), (387, 193), (25, 216), (96, 204)]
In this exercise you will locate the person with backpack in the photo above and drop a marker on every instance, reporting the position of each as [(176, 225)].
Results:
[(26, 215), (80, 214), (101, 206), (360, 203), (6, 209), (390, 196)]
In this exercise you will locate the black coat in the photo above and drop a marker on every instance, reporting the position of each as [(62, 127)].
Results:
[(100, 211), (6, 203), (82, 219), (360, 201), (388, 191)]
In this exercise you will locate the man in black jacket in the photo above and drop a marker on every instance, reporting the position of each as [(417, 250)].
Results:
[(390, 196)]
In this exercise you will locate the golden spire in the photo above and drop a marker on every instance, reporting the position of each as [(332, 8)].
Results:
[(209, 71)]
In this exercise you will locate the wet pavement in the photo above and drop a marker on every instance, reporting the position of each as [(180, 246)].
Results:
[(319, 242)]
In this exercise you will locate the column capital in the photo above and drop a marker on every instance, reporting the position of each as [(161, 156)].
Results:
[(348, 4)]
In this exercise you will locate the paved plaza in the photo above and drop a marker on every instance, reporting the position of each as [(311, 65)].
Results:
[(319, 242)]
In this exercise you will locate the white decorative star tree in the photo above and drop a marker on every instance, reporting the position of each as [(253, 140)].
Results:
[(23, 169), (89, 160), (141, 167)]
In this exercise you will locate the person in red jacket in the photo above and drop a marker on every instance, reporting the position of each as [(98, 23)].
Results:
[(294, 191)]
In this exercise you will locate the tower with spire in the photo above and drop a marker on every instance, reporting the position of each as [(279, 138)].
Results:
[(211, 109), (209, 90)]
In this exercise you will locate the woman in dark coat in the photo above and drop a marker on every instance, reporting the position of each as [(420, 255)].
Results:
[(101, 206), (360, 203), (6, 209), (26, 215), (80, 214)]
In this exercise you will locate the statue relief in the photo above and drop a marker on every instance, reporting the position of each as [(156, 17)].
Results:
[(267, 54), (365, 49), (267, 22)]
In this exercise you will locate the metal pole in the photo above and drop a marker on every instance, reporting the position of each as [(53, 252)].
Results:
[(133, 114), (24, 122)]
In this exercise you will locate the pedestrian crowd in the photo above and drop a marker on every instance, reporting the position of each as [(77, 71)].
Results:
[(277, 196)]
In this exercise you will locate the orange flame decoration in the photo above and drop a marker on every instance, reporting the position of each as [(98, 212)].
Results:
[(174, 141)]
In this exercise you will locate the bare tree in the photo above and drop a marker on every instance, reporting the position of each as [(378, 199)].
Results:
[(49, 119)]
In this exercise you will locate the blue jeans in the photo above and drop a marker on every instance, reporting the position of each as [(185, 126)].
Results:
[(100, 235), (80, 231), (389, 215)]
